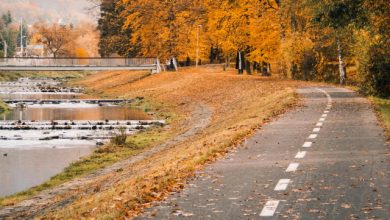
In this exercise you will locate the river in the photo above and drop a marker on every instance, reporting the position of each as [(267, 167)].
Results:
[(34, 146)]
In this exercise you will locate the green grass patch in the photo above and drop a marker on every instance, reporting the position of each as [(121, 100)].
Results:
[(60, 75), (156, 109), (3, 107), (383, 107)]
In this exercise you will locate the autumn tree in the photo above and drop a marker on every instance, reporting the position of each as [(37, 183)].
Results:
[(87, 39), (55, 37), (114, 37), (164, 28), (371, 48), (303, 39)]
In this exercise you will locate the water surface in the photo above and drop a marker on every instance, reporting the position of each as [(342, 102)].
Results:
[(39, 96), (22, 168), (28, 162), (79, 113)]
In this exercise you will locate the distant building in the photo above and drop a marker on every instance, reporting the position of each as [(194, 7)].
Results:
[(35, 50), (32, 50)]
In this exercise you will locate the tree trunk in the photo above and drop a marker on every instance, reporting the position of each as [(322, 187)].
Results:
[(227, 62), (248, 67), (341, 64)]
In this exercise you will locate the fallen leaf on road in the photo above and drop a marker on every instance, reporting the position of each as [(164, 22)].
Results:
[(346, 206)]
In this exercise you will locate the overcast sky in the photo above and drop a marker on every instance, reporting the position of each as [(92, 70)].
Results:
[(68, 11)]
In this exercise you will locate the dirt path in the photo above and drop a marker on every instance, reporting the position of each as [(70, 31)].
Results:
[(66, 193)]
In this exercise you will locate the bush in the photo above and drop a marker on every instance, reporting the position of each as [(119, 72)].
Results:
[(120, 138), (374, 72), (379, 72)]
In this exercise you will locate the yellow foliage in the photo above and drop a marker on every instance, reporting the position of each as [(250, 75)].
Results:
[(81, 52)]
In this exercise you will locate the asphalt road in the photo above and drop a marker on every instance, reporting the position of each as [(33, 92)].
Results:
[(325, 160)]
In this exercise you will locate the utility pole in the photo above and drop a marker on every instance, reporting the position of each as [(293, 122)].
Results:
[(21, 37), (197, 46), (5, 49)]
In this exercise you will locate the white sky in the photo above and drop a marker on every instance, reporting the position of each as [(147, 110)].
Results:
[(68, 11)]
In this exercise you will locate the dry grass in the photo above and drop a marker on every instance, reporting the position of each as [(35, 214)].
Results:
[(240, 105), (110, 79)]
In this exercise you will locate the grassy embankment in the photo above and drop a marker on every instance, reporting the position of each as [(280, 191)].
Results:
[(383, 108), (3, 107), (239, 105), (109, 154)]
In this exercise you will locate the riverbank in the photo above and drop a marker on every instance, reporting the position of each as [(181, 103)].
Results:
[(100, 157), (211, 110), (3, 107), (239, 105)]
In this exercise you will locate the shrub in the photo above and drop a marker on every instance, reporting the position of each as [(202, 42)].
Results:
[(120, 138)]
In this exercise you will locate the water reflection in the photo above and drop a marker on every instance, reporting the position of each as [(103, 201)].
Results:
[(21, 169), (39, 96), (93, 113)]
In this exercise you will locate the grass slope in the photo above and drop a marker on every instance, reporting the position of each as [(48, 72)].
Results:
[(3, 107), (383, 107)]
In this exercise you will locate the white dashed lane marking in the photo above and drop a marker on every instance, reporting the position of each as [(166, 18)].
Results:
[(269, 208), (316, 129), (292, 167), (307, 144), (282, 184), (300, 155)]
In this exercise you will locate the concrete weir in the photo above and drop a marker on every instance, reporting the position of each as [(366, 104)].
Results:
[(79, 125), (58, 101), (69, 118)]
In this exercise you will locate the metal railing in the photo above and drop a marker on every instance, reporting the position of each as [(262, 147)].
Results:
[(78, 64), (71, 62)]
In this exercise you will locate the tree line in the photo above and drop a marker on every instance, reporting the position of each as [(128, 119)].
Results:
[(55, 39), (10, 35), (335, 41)]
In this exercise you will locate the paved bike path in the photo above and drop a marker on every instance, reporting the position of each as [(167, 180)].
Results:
[(325, 160)]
